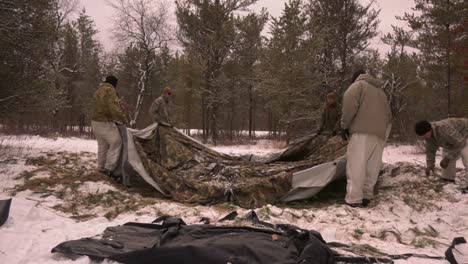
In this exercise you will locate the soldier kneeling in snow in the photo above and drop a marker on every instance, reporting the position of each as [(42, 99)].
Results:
[(452, 135)]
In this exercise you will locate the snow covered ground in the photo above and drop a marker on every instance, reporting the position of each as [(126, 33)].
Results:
[(411, 213)]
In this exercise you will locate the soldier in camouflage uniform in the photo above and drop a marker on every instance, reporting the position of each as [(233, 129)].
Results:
[(105, 117), (452, 135), (331, 116), (159, 109)]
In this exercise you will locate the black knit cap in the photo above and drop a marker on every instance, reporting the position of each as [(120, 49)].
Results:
[(111, 79), (422, 127), (356, 74)]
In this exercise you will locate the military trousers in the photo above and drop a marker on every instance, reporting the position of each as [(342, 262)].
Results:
[(109, 144), (450, 171), (364, 160)]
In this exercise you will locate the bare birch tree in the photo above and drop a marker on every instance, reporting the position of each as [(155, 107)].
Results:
[(142, 24)]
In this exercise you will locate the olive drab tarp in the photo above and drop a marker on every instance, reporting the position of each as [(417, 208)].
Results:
[(187, 171)]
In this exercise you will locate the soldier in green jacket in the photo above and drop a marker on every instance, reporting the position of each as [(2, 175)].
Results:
[(331, 116), (452, 135), (105, 117), (160, 108)]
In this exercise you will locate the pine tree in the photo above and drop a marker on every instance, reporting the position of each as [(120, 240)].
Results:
[(207, 31), (345, 28), (434, 24), (284, 80)]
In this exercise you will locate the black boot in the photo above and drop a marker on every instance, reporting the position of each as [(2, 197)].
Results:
[(464, 190), (365, 202), (445, 180), (354, 205)]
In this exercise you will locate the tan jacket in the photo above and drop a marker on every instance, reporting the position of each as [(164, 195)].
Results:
[(106, 105), (365, 107)]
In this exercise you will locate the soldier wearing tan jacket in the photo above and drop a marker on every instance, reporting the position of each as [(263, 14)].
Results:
[(366, 119), (106, 113), (452, 136)]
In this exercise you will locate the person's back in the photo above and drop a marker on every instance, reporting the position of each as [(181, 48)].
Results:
[(106, 107), (106, 113), (366, 119), (366, 108), (448, 128)]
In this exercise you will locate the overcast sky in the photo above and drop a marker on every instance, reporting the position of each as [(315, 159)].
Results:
[(101, 14)]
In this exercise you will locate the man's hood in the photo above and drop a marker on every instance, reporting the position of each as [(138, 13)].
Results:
[(371, 80)]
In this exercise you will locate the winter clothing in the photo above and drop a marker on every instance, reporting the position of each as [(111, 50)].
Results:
[(449, 172), (159, 110), (444, 163), (450, 134), (107, 105), (364, 159), (422, 127), (112, 80), (345, 134), (109, 144), (366, 116), (331, 116), (106, 113), (365, 108)]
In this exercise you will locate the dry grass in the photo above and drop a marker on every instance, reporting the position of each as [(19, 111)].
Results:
[(420, 193), (358, 233), (12, 145), (67, 172), (366, 250)]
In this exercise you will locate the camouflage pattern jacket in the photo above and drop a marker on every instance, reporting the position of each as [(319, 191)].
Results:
[(331, 117), (106, 105), (159, 110), (451, 135)]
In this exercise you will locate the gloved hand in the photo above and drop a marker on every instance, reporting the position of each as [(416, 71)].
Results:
[(429, 169), (132, 122), (166, 125), (334, 133), (319, 132), (345, 134), (444, 163)]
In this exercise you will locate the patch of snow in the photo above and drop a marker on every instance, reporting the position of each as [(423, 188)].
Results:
[(43, 144), (407, 153), (96, 188), (34, 228), (262, 148)]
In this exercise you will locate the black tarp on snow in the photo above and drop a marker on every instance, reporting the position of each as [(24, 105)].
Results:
[(4, 210), (175, 242)]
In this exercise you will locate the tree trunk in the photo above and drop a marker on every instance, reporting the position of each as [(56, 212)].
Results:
[(251, 113)]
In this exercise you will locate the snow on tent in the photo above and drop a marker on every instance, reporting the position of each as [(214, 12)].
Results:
[(185, 170)]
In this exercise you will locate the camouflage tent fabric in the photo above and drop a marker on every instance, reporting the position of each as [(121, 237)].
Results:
[(189, 172)]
